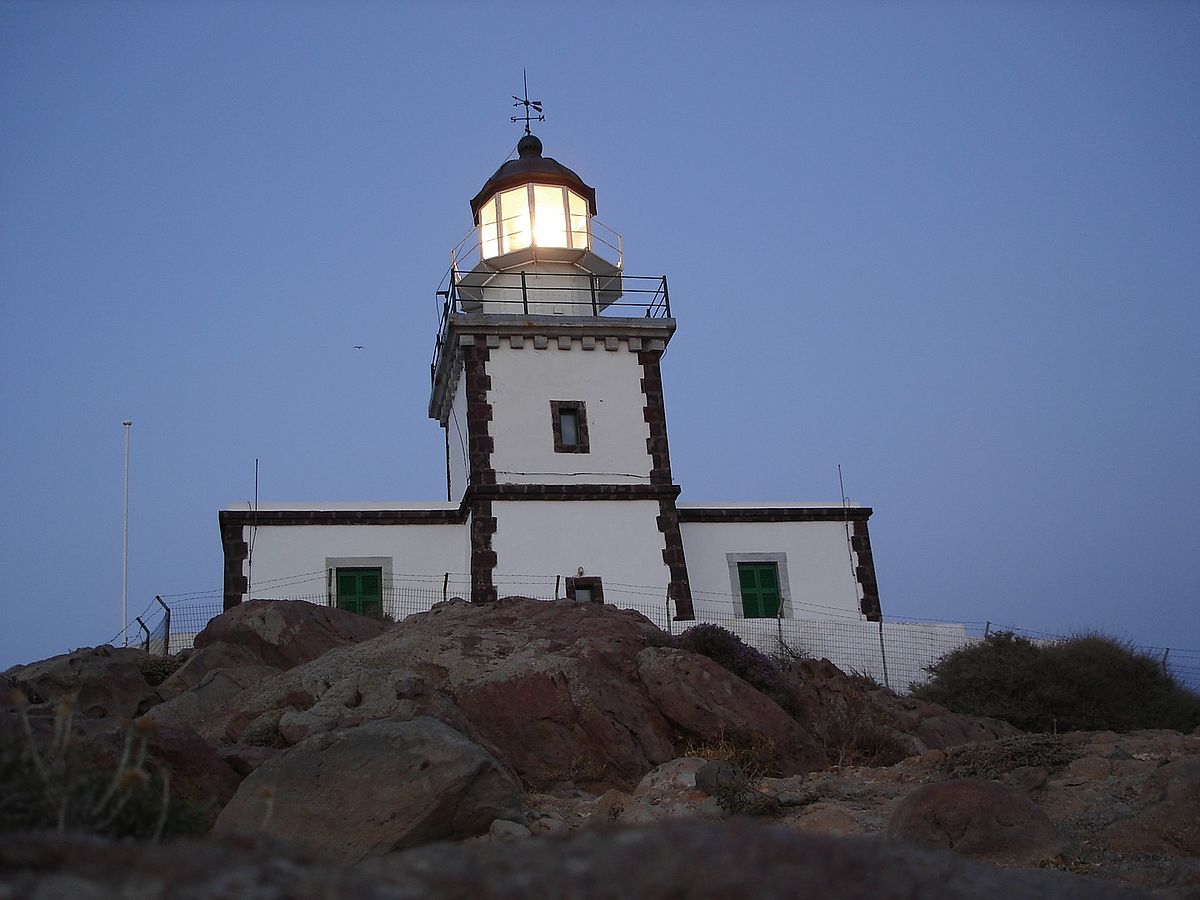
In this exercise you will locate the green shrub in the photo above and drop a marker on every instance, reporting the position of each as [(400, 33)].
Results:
[(1085, 683)]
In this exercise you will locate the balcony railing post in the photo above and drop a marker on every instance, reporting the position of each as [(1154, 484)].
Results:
[(592, 283), (666, 297), (524, 295)]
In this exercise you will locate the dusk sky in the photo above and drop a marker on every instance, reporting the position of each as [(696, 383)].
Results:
[(953, 247)]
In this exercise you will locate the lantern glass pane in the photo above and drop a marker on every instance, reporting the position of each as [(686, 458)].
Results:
[(488, 245), (549, 216), (514, 220), (579, 236)]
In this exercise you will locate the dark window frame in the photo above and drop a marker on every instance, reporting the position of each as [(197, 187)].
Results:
[(579, 408), (590, 581)]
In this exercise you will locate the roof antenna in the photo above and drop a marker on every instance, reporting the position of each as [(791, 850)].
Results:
[(534, 105)]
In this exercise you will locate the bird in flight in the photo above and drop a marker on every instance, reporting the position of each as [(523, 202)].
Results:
[(359, 347)]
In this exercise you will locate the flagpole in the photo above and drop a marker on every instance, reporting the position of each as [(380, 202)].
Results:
[(125, 547)]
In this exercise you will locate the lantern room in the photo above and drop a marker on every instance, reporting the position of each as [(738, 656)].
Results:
[(536, 238), (533, 201)]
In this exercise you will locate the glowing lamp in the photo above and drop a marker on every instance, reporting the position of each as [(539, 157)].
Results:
[(533, 202)]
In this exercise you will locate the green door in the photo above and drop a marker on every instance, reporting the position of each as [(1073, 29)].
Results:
[(760, 589), (360, 590)]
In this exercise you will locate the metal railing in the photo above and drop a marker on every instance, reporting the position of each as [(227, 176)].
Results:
[(520, 293)]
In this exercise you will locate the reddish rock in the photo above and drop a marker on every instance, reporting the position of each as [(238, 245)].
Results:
[(365, 791), (976, 818), (560, 691), (834, 705), (702, 699), (206, 704), (1170, 824), (283, 633), (105, 682), (199, 776)]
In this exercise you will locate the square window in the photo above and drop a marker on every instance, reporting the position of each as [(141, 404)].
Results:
[(585, 590), (758, 583), (360, 590), (568, 418)]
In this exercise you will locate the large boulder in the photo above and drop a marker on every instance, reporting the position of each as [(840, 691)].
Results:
[(858, 721), (101, 682), (977, 818), (384, 786), (199, 778), (276, 633), (1170, 823), (560, 691), (701, 698)]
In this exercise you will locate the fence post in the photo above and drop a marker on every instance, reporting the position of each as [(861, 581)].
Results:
[(445, 585), (987, 626), (166, 626), (667, 606), (1166, 653), (146, 639), (557, 579), (883, 656)]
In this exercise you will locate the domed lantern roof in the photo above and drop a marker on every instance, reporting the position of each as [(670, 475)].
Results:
[(534, 203), (529, 166)]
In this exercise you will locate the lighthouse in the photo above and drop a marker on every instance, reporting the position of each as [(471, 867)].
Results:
[(546, 378)]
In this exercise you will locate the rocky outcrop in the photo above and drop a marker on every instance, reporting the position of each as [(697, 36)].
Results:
[(977, 818), (561, 692), (384, 786), (1169, 823), (665, 860), (100, 682), (857, 721), (356, 739), (285, 633)]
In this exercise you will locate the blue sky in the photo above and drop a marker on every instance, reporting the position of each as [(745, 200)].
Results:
[(953, 247)]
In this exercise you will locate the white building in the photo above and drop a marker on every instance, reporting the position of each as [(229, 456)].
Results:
[(558, 477)]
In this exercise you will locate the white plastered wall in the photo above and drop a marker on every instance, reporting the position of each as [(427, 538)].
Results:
[(524, 381), (290, 562), (615, 540), (819, 571)]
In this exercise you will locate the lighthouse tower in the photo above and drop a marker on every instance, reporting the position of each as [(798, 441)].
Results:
[(546, 378)]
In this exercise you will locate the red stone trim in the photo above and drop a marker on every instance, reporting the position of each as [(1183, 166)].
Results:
[(775, 514), (480, 473), (590, 581), (557, 407), (343, 517), (236, 550), (655, 414), (483, 557), (573, 492), (678, 588), (865, 572)]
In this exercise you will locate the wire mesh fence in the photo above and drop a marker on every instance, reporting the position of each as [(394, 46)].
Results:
[(896, 653)]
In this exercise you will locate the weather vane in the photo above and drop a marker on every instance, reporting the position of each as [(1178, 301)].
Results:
[(534, 105)]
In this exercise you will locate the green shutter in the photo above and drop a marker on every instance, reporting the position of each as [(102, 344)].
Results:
[(360, 590), (759, 583)]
